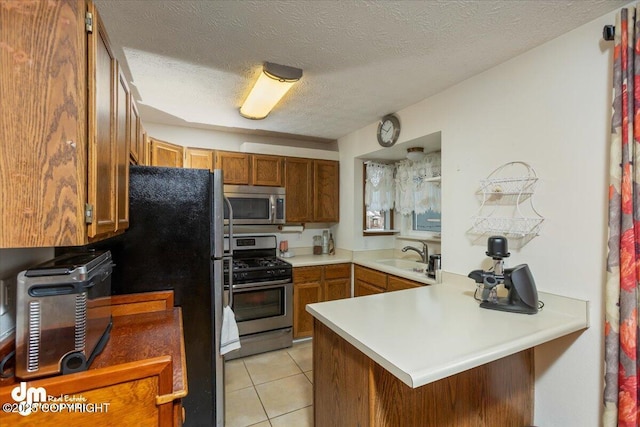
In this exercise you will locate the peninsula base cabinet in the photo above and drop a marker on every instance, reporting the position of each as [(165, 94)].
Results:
[(350, 387), (317, 284)]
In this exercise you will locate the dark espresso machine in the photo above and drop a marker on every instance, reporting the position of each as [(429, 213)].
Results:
[(522, 296)]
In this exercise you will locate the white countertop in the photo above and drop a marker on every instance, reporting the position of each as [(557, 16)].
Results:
[(308, 260), (425, 334)]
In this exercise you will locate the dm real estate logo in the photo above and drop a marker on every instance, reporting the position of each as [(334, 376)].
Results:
[(35, 399), (26, 399)]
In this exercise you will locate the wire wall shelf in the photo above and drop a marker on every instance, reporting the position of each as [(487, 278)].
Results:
[(507, 207)]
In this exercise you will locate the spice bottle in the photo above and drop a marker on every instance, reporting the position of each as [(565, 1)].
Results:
[(325, 242), (317, 245)]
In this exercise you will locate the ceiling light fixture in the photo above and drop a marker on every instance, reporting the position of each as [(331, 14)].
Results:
[(274, 82), (415, 153)]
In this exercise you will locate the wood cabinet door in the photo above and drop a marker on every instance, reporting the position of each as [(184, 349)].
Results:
[(307, 289), (337, 281), (136, 141), (398, 283), (299, 189), (102, 160), (166, 154), (303, 294), (267, 170), (43, 91), (198, 158), (123, 142), (146, 149), (235, 167), (326, 191), (336, 289)]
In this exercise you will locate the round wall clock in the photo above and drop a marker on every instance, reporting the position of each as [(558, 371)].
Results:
[(388, 130)]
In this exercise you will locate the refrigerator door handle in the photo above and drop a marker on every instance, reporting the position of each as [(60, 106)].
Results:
[(230, 273), (230, 252)]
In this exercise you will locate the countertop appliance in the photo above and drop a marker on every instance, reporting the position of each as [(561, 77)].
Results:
[(523, 294), (261, 295), (255, 205), (175, 242), (63, 314)]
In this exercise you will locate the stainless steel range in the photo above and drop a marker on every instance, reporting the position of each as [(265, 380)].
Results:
[(261, 295)]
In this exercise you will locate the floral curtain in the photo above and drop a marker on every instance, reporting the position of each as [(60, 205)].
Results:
[(379, 186), (621, 401), (416, 191)]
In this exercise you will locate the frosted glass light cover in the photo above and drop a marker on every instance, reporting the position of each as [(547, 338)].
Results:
[(266, 93)]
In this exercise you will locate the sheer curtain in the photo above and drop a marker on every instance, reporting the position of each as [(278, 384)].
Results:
[(623, 266), (415, 189), (379, 186)]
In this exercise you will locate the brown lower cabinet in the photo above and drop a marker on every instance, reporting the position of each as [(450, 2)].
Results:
[(316, 284), (350, 387), (368, 282), (139, 379)]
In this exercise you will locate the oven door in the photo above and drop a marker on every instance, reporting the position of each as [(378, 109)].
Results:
[(263, 306)]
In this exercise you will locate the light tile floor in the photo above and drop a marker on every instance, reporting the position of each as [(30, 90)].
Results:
[(270, 389)]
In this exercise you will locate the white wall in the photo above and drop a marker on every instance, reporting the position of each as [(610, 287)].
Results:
[(12, 261), (549, 107), (238, 141)]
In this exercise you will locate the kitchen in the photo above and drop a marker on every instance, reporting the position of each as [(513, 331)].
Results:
[(506, 113)]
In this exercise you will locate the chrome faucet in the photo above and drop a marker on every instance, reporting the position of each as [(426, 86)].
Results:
[(424, 253)]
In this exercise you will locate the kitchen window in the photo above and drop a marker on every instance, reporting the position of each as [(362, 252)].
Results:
[(378, 198)]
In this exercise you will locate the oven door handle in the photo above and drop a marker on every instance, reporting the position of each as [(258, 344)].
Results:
[(261, 285)]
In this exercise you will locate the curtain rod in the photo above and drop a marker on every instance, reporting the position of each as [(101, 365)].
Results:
[(608, 32)]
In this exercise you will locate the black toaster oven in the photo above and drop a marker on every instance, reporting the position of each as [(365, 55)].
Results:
[(63, 314)]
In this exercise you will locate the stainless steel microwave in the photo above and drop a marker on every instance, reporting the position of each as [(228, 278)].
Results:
[(254, 205)]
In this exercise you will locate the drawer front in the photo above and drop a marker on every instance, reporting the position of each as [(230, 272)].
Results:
[(363, 288), (399, 283), (337, 271), (307, 274), (371, 276)]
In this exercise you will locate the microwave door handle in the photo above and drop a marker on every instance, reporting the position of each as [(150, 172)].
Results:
[(272, 200)]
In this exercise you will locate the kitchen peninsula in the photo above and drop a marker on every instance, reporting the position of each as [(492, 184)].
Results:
[(430, 356)]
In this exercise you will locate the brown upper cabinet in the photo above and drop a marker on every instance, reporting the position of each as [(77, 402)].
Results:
[(326, 191), (313, 190), (137, 139), (235, 167), (267, 170), (166, 154), (123, 143), (59, 153), (250, 169), (198, 158), (298, 175)]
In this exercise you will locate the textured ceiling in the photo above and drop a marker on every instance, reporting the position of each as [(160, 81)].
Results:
[(193, 62)]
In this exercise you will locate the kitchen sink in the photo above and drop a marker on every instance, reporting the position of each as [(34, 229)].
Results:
[(403, 264)]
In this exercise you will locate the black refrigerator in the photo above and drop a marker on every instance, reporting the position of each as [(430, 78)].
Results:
[(175, 241)]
